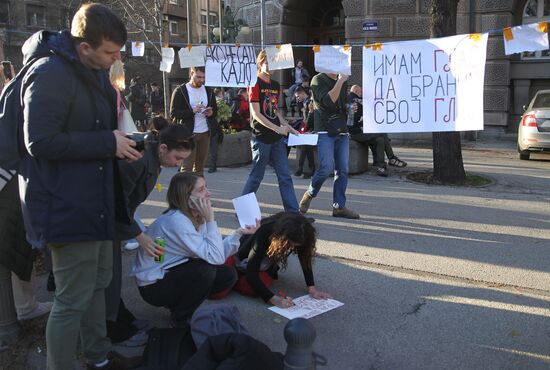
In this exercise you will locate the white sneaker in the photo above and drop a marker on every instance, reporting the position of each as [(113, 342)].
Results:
[(41, 309), (131, 246)]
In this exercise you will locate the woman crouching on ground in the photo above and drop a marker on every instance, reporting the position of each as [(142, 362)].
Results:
[(193, 267), (263, 253)]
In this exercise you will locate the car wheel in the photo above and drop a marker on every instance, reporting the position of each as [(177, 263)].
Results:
[(523, 154)]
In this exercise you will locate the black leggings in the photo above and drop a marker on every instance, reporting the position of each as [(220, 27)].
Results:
[(186, 286)]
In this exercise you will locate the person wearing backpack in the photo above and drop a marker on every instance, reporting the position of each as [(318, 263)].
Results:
[(70, 191)]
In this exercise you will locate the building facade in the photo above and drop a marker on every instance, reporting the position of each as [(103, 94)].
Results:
[(510, 81)]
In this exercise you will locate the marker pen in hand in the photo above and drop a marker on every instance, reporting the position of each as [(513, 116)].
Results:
[(284, 296)]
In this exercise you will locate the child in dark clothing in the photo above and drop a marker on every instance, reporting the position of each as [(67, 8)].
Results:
[(305, 151)]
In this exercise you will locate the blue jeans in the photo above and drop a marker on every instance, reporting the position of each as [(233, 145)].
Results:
[(262, 154), (333, 153)]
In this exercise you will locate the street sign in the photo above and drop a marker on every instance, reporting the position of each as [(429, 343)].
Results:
[(370, 26)]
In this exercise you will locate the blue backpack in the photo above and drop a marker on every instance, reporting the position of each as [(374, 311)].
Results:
[(12, 144)]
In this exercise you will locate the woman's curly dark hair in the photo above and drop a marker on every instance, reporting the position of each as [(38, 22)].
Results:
[(292, 232)]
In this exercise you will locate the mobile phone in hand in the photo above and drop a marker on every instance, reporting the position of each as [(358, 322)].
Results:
[(6, 67), (194, 202)]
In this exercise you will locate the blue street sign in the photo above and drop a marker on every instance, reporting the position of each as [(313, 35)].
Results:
[(370, 26)]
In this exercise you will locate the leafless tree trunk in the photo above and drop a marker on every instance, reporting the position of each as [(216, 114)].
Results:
[(448, 165)]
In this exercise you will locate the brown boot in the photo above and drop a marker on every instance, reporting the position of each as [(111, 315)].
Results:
[(344, 213), (119, 362), (305, 202)]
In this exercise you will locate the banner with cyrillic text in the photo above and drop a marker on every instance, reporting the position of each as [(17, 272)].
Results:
[(424, 85), (230, 65)]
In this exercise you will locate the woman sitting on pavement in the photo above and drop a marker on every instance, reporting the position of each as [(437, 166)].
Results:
[(192, 267), (167, 148), (261, 254)]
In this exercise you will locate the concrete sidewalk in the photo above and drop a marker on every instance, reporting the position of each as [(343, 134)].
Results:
[(432, 277)]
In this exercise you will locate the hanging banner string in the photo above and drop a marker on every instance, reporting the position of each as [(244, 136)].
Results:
[(492, 32)]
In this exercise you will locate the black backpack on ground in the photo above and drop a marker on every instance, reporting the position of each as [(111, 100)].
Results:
[(168, 348)]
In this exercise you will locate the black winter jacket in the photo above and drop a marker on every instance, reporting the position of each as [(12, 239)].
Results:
[(182, 112), (70, 185), (138, 180)]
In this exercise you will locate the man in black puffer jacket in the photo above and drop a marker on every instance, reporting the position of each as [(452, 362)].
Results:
[(69, 183)]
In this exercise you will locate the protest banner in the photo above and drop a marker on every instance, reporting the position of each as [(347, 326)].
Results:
[(192, 56), (279, 57), (528, 37), (424, 85), (230, 65), (167, 59), (333, 59)]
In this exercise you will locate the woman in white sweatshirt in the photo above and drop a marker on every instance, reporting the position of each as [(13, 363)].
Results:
[(194, 252)]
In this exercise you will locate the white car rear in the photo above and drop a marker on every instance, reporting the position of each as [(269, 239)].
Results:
[(534, 127)]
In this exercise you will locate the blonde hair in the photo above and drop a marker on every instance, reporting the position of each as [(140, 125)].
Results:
[(117, 75), (261, 58)]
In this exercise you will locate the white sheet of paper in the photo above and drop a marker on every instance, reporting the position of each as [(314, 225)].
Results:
[(138, 48), (279, 58), (307, 307), (333, 59), (165, 66), (248, 209), (168, 55), (167, 59), (193, 57), (302, 139), (526, 38)]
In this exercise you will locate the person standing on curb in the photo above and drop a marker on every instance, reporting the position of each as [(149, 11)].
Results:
[(329, 92), (69, 184), (194, 106), (269, 130)]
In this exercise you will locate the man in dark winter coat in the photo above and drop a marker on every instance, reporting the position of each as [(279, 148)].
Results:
[(194, 105), (69, 185), (136, 100)]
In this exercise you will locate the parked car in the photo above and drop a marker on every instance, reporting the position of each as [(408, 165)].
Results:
[(534, 127)]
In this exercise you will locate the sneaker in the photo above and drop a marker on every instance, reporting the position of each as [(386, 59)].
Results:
[(396, 162), (344, 213), (298, 173), (137, 340), (382, 171), (41, 309), (130, 246), (115, 361), (305, 202)]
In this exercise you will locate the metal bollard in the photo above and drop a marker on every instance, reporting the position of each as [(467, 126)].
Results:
[(299, 335), (9, 327)]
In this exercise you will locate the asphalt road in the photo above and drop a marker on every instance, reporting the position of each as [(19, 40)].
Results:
[(432, 277)]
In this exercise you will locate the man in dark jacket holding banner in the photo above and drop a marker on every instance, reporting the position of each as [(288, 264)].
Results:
[(69, 182)]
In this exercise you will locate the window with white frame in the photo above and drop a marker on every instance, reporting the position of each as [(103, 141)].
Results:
[(213, 18), (536, 11), (36, 15), (174, 28)]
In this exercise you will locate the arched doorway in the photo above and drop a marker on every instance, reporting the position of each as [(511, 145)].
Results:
[(326, 26)]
